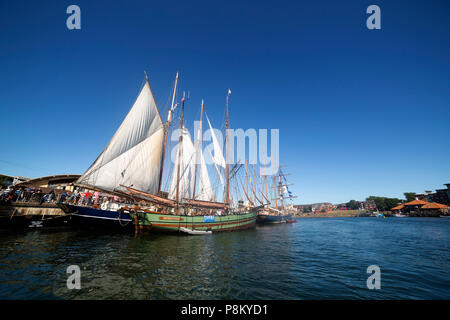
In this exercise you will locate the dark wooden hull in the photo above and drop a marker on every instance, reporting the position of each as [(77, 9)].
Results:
[(272, 219), (86, 217)]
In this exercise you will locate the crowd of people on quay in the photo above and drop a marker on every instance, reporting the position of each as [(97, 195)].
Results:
[(48, 195), (25, 194)]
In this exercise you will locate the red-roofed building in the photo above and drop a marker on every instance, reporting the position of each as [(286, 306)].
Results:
[(398, 208), (413, 206)]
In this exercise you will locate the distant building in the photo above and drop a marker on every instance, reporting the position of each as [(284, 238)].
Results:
[(441, 196), (421, 208), (413, 206), (367, 205), (398, 208), (314, 207), (60, 181)]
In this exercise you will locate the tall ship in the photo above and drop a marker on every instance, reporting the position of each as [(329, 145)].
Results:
[(281, 212), (129, 172)]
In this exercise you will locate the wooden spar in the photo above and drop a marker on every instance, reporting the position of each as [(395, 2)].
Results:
[(113, 192), (234, 170), (254, 186), (248, 198), (150, 197), (254, 183), (275, 189), (274, 185), (246, 180), (267, 194), (280, 190), (265, 181), (199, 145), (256, 198), (227, 126), (180, 143), (166, 133), (205, 204), (261, 184), (262, 189)]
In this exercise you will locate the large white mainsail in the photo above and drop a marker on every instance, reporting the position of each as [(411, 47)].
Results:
[(205, 191), (133, 156), (187, 169)]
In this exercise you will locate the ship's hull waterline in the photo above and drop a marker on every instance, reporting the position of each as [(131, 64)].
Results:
[(96, 218), (158, 222), (272, 219)]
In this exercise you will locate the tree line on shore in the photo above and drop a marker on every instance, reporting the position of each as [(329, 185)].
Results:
[(382, 203)]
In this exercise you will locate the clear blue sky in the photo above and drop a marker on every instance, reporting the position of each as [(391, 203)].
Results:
[(361, 112)]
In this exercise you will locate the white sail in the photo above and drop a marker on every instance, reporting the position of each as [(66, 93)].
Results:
[(219, 174), (218, 155), (205, 191), (133, 156), (187, 169)]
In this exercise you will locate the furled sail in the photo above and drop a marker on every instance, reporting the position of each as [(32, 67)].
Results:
[(133, 156), (187, 169)]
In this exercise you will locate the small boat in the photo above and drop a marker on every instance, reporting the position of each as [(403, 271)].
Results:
[(445, 217), (291, 221), (195, 232), (399, 215), (380, 215)]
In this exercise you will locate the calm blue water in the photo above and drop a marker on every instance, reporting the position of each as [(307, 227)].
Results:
[(312, 259)]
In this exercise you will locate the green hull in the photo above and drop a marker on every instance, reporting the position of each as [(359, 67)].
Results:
[(170, 222)]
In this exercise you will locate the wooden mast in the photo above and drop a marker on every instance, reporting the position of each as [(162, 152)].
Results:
[(246, 181), (254, 182), (265, 181), (275, 189), (262, 189), (227, 126), (199, 145), (267, 194), (180, 144), (166, 133)]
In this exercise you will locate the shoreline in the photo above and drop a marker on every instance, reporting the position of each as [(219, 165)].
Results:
[(357, 214)]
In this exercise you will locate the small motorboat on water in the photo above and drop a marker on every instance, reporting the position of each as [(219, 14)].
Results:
[(399, 215), (380, 215), (291, 221), (195, 232)]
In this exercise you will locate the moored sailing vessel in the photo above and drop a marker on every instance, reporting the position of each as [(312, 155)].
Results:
[(184, 209), (131, 157), (279, 214), (130, 169)]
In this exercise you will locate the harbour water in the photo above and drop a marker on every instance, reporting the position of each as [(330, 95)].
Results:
[(312, 259)]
